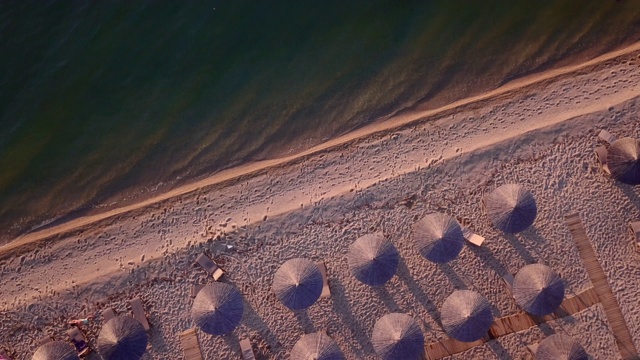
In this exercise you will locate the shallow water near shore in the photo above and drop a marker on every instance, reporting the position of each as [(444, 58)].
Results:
[(105, 103)]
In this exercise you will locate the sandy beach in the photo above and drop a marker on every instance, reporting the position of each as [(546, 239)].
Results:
[(539, 131)]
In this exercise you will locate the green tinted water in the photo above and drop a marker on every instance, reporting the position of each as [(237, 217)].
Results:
[(100, 100)]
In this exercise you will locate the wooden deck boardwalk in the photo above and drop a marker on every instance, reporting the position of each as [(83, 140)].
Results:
[(602, 288), (522, 321), (514, 323), (448, 347)]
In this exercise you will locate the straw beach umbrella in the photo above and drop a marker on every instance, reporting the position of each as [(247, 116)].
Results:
[(316, 346), (511, 208), (56, 350), (298, 283), (397, 336), (624, 160), (217, 309), (373, 259), (122, 338), (466, 315), (560, 347), (438, 237), (538, 289)]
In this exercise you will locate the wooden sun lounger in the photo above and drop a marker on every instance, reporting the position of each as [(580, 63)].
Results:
[(247, 351), (190, 345), (108, 314), (210, 267), (475, 239), (326, 292), (79, 341), (601, 156), (195, 289), (634, 227), (605, 136), (138, 312)]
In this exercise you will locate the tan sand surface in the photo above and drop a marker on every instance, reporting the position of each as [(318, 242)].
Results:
[(539, 131)]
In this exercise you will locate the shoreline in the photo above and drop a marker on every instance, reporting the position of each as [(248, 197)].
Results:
[(252, 169)]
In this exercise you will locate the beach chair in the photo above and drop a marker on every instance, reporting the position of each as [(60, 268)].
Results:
[(195, 289), (601, 157), (78, 340), (190, 345), (605, 136), (475, 239), (247, 351), (326, 292), (634, 227), (138, 312), (209, 266), (108, 314)]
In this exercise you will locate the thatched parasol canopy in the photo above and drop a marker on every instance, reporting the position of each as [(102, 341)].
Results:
[(624, 160), (316, 346), (438, 237), (217, 309), (560, 347), (398, 337), (298, 283), (122, 338), (538, 289), (373, 259), (56, 350), (511, 208), (466, 315)]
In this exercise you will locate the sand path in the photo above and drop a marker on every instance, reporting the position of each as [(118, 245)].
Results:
[(385, 126)]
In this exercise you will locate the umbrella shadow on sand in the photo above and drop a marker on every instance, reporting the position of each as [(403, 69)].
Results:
[(534, 240), (631, 192), (405, 276), (532, 236), (252, 320), (546, 329), (489, 260), (305, 322), (456, 280), (387, 299), (499, 350), (341, 307), (520, 249), (232, 341), (158, 343), (465, 284)]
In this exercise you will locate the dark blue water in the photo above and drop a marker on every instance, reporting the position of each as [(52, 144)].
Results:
[(102, 103)]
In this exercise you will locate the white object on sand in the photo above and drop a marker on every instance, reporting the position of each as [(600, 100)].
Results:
[(471, 237)]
